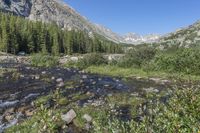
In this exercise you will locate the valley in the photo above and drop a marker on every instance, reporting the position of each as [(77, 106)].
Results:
[(62, 73)]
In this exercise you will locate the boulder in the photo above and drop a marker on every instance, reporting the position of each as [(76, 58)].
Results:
[(69, 116)]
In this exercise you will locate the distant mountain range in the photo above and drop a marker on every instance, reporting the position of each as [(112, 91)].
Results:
[(56, 11)]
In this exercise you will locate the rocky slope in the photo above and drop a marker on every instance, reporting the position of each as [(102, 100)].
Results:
[(185, 37), (56, 11)]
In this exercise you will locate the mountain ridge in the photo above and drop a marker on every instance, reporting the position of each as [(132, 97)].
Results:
[(185, 37), (65, 16)]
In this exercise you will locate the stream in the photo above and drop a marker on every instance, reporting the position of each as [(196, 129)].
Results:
[(23, 84)]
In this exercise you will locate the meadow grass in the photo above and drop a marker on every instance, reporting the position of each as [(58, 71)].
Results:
[(116, 71)]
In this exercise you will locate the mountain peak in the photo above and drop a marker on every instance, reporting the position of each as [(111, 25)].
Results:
[(134, 38)]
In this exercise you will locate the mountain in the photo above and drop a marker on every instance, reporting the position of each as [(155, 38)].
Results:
[(184, 37), (56, 11), (134, 38)]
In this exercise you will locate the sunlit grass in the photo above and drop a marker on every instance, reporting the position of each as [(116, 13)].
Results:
[(134, 72)]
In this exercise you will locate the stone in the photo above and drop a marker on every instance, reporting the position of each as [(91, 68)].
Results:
[(88, 126), (84, 77), (135, 94), (94, 82), (37, 77), (87, 117), (106, 85), (74, 71), (29, 113), (151, 89), (110, 95), (61, 84), (9, 117), (87, 87), (22, 76), (28, 68), (59, 80), (69, 116), (88, 93), (44, 72), (99, 79), (97, 103)]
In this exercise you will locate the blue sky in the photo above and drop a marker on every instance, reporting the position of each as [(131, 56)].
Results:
[(139, 16)]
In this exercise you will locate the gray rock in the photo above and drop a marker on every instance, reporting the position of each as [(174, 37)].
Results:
[(151, 89), (87, 87), (88, 126), (37, 77), (99, 79), (22, 76), (87, 117), (69, 117), (44, 72), (94, 82), (84, 77), (59, 80), (61, 84)]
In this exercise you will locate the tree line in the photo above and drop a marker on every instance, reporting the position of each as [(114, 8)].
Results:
[(19, 34)]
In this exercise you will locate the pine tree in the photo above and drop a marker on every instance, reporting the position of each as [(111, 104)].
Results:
[(55, 47), (4, 35), (43, 41), (18, 34)]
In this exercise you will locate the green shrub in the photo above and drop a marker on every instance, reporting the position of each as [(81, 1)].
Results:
[(40, 60), (184, 60), (181, 114), (137, 57), (93, 59)]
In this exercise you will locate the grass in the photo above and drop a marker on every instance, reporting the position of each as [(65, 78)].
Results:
[(116, 71)]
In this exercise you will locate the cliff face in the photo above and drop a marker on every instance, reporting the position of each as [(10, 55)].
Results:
[(50, 11), (59, 13), (18, 7)]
